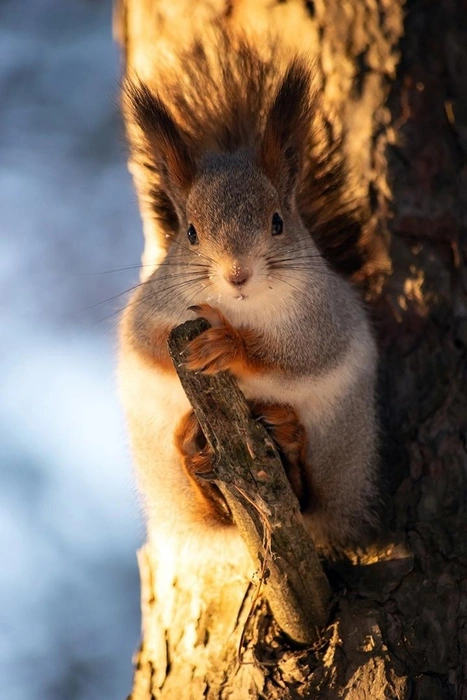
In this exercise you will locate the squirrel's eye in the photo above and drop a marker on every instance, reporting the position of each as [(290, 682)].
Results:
[(277, 225), (192, 235)]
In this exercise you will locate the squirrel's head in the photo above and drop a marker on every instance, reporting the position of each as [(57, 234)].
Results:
[(236, 222), (234, 208)]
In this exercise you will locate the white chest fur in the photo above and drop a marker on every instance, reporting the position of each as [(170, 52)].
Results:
[(315, 398)]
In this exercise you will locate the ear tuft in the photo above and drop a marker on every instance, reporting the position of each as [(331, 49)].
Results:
[(162, 139), (287, 129)]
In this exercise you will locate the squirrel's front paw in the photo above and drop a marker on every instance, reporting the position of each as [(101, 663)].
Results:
[(218, 348)]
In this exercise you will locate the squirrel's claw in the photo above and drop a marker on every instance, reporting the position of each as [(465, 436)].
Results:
[(215, 350), (214, 316), (207, 476)]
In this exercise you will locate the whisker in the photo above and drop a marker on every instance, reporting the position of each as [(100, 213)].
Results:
[(303, 292), (196, 274), (139, 266), (116, 296), (158, 306), (294, 255), (109, 272), (320, 270), (312, 258), (159, 302), (192, 250), (298, 264), (141, 284), (176, 263), (160, 296)]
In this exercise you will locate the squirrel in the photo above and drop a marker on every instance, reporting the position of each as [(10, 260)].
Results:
[(251, 224)]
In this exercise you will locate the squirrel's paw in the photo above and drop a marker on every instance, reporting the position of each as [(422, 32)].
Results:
[(197, 459), (289, 436), (214, 316), (218, 348)]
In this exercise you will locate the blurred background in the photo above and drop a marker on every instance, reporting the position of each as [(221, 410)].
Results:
[(69, 515)]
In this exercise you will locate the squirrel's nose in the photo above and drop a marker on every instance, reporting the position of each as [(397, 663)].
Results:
[(238, 276)]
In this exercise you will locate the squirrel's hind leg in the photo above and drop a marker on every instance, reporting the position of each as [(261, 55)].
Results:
[(286, 431), (197, 459), (289, 436)]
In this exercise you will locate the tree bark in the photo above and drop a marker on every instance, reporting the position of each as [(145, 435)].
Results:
[(249, 473), (396, 75)]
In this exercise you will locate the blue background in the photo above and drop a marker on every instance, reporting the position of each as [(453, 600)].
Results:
[(69, 514)]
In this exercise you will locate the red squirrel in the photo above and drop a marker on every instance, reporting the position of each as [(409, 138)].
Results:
[(251, 225)]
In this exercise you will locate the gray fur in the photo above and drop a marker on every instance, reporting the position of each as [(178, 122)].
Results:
[(312, 325)]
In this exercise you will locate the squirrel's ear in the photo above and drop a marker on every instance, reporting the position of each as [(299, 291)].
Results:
[(156, 137), (287, 130)]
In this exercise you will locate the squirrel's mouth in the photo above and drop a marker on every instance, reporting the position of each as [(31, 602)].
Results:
[(240, 297)]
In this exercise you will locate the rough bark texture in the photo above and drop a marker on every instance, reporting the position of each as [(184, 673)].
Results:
[(248, 471), (397, 76)]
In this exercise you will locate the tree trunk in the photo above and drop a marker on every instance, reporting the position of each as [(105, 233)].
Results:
[(397, 76)]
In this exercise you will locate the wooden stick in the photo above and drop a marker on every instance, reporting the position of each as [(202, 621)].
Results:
[(250, 475)]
